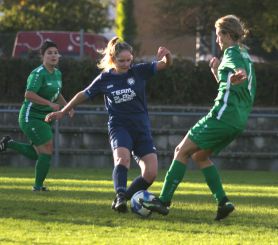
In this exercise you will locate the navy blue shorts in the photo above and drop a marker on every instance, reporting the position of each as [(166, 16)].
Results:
[(139, 143)]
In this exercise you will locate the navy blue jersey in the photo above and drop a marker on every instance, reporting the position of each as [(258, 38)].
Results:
[(124, 95)]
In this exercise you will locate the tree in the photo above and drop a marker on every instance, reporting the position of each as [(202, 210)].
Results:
[(67, 15), (181, 17), (125, 23)]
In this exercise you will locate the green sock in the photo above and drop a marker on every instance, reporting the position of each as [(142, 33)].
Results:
[(172, 179), (214, 182), (41, 169), (24, 149)]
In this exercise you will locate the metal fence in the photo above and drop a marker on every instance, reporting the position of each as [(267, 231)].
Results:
[(269, 113)]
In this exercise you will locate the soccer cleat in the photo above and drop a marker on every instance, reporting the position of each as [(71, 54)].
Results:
[(113, 204), (155, 205), (43, 188), (120, 204), (224, 210), (3, 143)]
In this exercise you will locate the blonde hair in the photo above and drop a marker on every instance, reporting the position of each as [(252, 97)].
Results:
[(232, 25), (112, 50)]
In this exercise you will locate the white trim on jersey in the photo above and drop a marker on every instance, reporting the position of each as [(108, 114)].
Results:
[(250, 79), (226, 96), (28, 112), (40, 68)]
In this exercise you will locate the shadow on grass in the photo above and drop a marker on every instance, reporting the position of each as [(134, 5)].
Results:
[(93, 208), (253, 178), (103, 192), (93, 205)]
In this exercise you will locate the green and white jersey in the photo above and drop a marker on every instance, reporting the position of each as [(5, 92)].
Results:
[(234, 102), (45, 84)]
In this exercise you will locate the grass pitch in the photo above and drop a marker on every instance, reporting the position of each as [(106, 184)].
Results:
[(78, 210)]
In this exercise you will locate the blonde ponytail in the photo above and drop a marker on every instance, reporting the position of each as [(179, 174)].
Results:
[(113, 48)]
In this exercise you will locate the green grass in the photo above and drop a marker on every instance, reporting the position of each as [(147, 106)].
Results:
[(78, 210)]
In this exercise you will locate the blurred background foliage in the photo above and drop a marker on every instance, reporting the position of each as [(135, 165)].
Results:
[(185, 82), (181, 17), (62, 15), (125, 23)]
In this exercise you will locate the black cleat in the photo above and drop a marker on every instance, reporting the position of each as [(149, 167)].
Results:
[(40, 188), (224, 210), (155, 205), (3, 143), (120, 204)]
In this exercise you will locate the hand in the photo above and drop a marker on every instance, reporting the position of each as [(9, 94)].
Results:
[(238, 77), (214, 64), (57, 115), (71, 113), (161, 52), (54, 106)]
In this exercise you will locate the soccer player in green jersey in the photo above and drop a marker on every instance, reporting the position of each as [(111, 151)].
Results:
[(42, 96), (225, 121)]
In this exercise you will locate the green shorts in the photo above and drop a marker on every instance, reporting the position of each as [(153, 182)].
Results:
[(37, 131), (212, 134)]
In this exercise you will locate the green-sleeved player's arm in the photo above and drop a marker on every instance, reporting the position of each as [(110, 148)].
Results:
[(76, 100), (233, 62), (34, 82)]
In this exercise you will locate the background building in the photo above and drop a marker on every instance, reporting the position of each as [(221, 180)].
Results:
[(149, 37)]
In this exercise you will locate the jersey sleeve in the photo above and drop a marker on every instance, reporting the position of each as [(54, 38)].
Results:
[(34, 82), (231, 61), (145, 70), (94, 88)]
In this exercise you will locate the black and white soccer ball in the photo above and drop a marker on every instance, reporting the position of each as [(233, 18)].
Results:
[(136, 207)]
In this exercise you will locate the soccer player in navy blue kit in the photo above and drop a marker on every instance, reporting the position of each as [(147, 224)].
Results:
[(123, 86)]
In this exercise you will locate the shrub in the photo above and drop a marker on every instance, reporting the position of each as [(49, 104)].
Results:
[(183, 84)]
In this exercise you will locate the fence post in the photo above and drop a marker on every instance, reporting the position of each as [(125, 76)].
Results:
[(81, 55)]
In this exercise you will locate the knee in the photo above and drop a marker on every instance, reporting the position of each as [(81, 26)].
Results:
[(149, 174), (177, 150), (150, 177), (196, 158), (46, 149), (122, 160), (49, 148), (201, 159), (181, 154)]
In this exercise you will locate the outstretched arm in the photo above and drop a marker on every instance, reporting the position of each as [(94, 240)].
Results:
[(239, 76), (35, 98), (76, 100), (213, 64), (164, 58), (62, 102)]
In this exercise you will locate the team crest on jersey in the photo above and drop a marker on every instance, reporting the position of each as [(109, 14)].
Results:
[(131, 81)]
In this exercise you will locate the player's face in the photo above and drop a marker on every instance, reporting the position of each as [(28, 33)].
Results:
[(51, 57), (223, 40), (123, 61)]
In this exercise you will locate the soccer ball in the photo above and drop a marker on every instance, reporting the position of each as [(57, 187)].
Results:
[(136, 207)]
